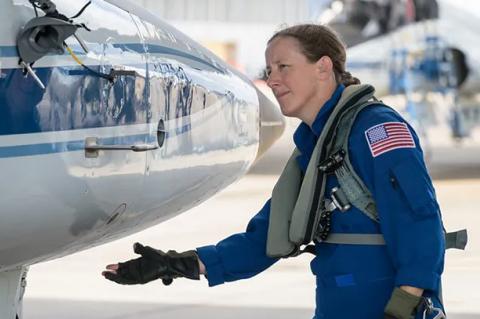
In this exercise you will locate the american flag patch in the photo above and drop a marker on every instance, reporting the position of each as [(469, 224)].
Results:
[(388, 136)]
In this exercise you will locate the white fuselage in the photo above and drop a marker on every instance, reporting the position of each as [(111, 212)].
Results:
[(57, 200)]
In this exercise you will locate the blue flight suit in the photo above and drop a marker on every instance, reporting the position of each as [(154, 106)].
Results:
[(356, 281)]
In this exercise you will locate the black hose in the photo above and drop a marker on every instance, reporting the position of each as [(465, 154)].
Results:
[(81, 10)]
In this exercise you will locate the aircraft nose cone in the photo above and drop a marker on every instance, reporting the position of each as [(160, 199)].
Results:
[(272, 124)]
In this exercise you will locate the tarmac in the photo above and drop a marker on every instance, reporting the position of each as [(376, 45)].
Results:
[(72, 287)]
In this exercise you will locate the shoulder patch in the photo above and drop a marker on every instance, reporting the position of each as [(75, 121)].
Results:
[(388, 136)]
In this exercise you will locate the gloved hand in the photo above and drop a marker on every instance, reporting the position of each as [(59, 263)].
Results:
[(154, 264), (402, 305)]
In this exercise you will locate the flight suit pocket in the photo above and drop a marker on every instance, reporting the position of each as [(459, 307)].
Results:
[(410, 178)]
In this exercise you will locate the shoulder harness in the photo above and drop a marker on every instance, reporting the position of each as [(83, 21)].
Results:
[(300, 210)]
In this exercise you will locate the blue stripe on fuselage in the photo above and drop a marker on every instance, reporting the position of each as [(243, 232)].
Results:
[(86, 102), (8, 52), (26, 109), (79, 145), (40, 149)]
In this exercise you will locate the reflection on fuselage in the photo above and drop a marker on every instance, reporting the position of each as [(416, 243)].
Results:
[(210, 116)]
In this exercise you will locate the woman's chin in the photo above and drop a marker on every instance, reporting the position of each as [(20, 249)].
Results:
[(287, 112)]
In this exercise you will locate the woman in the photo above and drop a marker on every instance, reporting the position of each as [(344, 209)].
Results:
[(306, 72)]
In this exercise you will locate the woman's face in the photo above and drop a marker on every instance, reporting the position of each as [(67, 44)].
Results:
[(295, 81)]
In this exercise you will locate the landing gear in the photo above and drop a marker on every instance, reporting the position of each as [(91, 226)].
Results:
[(434, 69), (12, 288)]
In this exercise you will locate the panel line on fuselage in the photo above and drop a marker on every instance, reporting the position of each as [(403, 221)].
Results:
[(11, 52)]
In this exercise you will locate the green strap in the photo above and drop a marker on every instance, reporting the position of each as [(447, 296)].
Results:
[(355, 239), (457, 239), (284, 197), (352, 185)]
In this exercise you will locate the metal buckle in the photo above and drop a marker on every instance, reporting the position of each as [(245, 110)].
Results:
[(429, 309), (332, 163), (339, 199)]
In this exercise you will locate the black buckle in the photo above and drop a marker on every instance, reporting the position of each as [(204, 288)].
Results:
[(324, 224), (332, 163)]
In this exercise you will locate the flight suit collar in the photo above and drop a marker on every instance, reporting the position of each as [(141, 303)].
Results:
[(305, 137)]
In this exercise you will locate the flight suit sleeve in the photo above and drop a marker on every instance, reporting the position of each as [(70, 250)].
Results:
[(239, 256), (387, 155)]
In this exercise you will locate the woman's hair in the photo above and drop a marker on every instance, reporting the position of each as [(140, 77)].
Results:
[(317, 41)]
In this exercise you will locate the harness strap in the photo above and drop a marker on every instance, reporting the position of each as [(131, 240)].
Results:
[(457, 239), (355, 239), (352, 185)]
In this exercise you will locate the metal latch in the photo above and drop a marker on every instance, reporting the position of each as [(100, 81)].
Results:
[(332, 163)]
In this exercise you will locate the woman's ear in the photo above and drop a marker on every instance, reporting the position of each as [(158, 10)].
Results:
[(324, 67)]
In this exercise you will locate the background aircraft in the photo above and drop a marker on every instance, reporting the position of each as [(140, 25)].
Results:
[(111, 121), (424, 50)]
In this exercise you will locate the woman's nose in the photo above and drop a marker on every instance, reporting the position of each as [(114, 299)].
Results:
[(272, 80)]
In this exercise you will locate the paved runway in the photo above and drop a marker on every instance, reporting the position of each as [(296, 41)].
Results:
[(126, 310), (72, 287)]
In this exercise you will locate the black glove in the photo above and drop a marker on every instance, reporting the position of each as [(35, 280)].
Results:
[(401, 305), (155, 264)]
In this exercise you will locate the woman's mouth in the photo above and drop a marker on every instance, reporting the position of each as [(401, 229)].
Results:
[(280, 95)]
